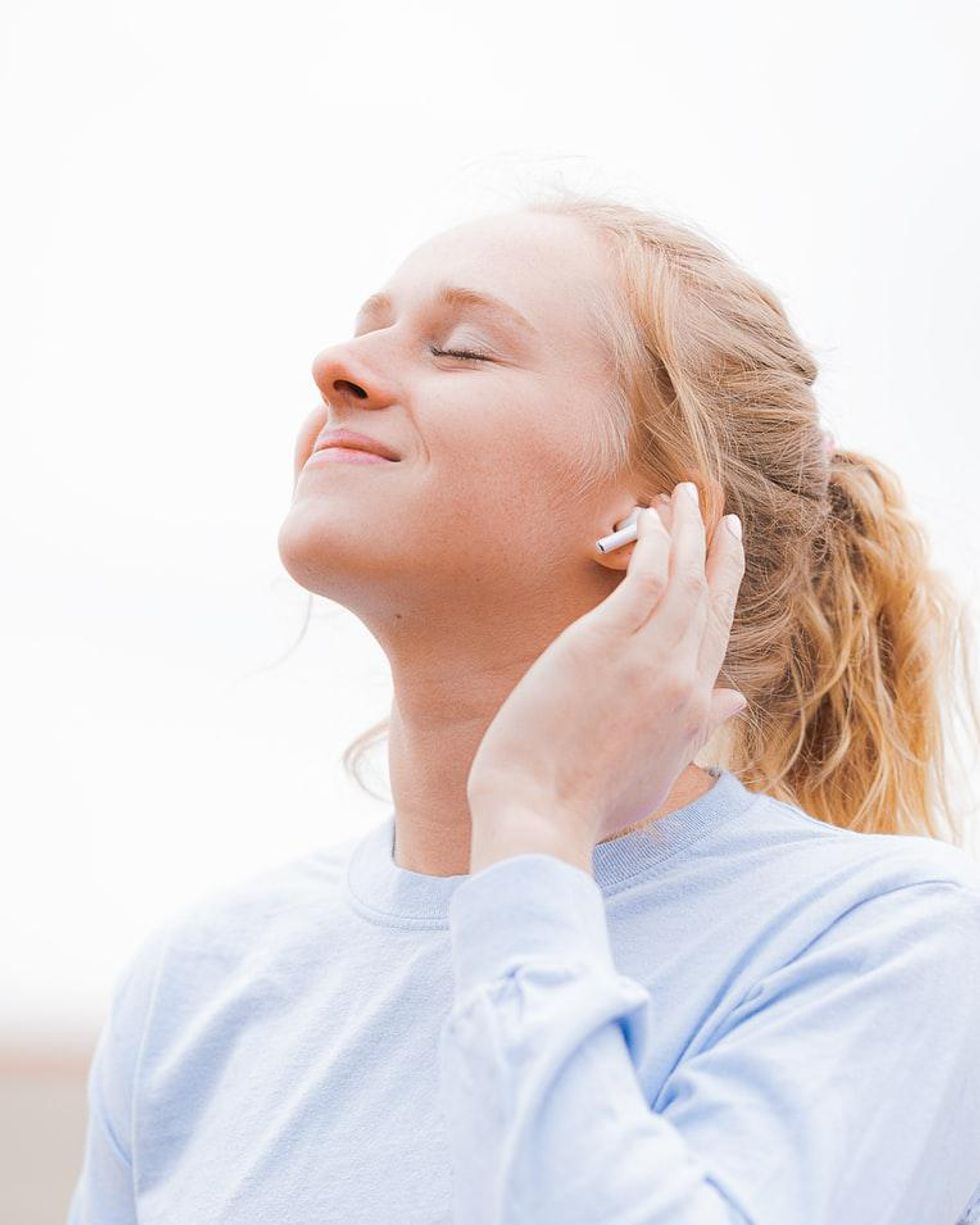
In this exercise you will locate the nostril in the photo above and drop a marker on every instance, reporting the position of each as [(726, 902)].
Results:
[(344, 384)]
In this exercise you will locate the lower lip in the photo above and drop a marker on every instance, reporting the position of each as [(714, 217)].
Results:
[(345, 455)]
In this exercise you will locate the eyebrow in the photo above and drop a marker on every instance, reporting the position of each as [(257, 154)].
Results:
[(459, 296)]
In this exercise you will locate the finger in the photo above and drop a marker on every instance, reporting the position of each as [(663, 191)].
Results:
[(630, 519), (725, 568), (630, 605), (662, 505), (683, 609)]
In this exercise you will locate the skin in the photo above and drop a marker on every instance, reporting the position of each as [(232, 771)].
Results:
[(465, 559)]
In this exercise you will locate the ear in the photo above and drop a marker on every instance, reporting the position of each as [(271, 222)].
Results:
[(619, 559)]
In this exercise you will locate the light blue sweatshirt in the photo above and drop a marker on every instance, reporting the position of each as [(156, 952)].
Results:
[(745, 1016)]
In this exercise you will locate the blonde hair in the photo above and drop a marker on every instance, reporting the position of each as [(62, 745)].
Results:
[(844, 638)]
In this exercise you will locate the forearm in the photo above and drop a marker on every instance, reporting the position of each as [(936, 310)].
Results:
[(546, 1119)]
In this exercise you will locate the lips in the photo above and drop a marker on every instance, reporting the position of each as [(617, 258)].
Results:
[(357, 442)]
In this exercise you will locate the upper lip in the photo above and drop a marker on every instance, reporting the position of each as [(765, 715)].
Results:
[(359, 442)]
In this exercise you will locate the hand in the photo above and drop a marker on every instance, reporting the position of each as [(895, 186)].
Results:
[(594, 735)]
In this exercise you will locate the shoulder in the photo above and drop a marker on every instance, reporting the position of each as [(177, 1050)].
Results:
[(203, 951), (891, 918), (876, 863), (276, 902), (783, 883), (245, 921), (906, 907)]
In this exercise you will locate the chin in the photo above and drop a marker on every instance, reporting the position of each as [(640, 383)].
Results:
[(300, 544), (327, 557)]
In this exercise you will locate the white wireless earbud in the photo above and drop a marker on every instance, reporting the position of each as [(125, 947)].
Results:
[(626, 532)]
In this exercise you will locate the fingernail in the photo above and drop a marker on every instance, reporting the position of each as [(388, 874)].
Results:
[(734, 524), (689, 490)]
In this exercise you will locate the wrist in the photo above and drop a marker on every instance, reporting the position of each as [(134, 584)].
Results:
[(502, 832)]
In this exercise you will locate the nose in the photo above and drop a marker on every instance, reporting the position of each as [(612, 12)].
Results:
[(344, 374)]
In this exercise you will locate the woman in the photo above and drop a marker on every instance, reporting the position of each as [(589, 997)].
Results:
[(576, 975)]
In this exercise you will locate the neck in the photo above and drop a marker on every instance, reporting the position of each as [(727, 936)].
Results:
[(430, 751)]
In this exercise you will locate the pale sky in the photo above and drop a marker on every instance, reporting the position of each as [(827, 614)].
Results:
[(198, 195)]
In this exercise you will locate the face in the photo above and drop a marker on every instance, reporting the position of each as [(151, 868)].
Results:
[(492, 410)]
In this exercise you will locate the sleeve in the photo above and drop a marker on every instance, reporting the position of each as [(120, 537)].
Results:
[(104, 1191), (844, 1089)]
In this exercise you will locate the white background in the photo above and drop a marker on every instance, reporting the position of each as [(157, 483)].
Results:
[(199, 194)]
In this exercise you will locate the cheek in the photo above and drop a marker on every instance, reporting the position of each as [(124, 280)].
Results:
[(493, 437), (497, 465)]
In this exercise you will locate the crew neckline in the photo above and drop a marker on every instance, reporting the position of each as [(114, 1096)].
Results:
[(385, 893)]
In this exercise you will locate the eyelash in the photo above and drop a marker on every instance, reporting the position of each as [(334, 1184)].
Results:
[(461, 353)]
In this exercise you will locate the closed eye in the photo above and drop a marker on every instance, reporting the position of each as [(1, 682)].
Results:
[(464, 354)]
